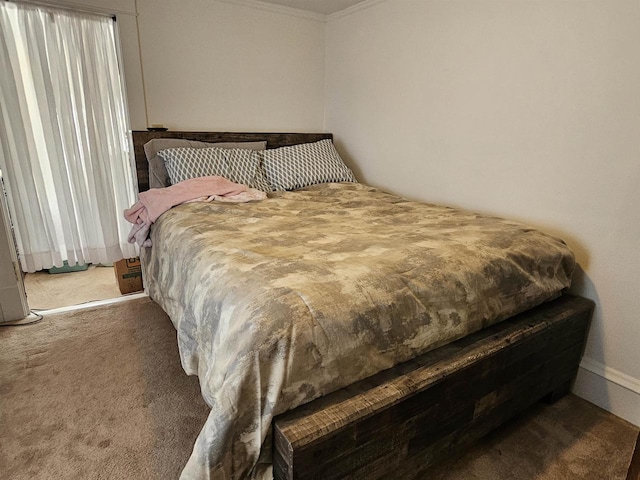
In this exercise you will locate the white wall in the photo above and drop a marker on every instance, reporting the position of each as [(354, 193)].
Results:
[(214, 65), (524, 109), (211, 65)]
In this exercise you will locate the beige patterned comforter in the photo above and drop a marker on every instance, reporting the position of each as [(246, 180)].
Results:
[(281, 301)]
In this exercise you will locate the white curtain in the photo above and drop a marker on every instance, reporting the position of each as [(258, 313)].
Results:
[(64, 137)]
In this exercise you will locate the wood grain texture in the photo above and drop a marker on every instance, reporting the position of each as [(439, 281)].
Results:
[(399, 422), (274, 140)]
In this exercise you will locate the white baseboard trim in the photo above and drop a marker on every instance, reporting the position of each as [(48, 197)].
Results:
[(611, 374), (610, 389), (95, 303)]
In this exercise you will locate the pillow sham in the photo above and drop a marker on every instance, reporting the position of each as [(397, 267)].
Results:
[(158, 176), (236, 164), (298, 166)]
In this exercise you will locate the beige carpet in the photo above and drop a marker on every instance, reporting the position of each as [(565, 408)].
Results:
[(47, 291), (96, 394), (572, 439), (100, 394)]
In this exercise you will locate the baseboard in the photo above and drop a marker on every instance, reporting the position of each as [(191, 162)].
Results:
[(94, 303), (610, 389)]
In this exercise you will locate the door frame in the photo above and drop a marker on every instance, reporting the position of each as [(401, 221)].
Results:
[(13, 297)]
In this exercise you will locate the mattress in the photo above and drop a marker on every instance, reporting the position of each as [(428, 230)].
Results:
[(282, 301)]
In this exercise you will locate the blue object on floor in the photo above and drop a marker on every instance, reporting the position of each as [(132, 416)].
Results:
[(66, 268)]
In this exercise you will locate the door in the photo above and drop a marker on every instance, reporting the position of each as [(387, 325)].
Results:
[(13, 300)]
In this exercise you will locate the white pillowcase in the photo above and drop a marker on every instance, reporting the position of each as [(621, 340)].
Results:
[(298, 166), (235, 164)]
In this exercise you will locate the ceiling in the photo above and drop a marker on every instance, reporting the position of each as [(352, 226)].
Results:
[(325, 7)]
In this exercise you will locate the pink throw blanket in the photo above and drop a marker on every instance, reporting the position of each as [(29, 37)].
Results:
[(155, 202)]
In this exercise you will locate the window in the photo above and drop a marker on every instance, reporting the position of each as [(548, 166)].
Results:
[(64, 136)]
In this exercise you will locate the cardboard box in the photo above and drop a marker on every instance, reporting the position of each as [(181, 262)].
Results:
[(129, 275)]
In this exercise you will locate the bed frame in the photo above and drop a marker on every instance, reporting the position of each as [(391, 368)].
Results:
[(399, 422)]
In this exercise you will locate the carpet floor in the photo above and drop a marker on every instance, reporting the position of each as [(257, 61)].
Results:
[(48, 291), (99, 393)]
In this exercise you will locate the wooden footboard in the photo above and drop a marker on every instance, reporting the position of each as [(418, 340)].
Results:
[(399, 422)]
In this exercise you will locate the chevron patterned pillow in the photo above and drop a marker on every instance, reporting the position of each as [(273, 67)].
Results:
[(298, 166), (236, 164)]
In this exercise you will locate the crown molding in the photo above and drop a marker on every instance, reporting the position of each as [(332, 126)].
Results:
[(77, 6), (281, 9), (355, 8)]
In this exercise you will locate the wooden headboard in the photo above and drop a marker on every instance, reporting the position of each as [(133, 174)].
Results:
[(274, 140)]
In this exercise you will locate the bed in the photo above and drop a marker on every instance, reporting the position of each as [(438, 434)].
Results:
[(339, 331)]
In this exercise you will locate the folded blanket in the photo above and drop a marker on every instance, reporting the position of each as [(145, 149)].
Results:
[(155, 202)]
